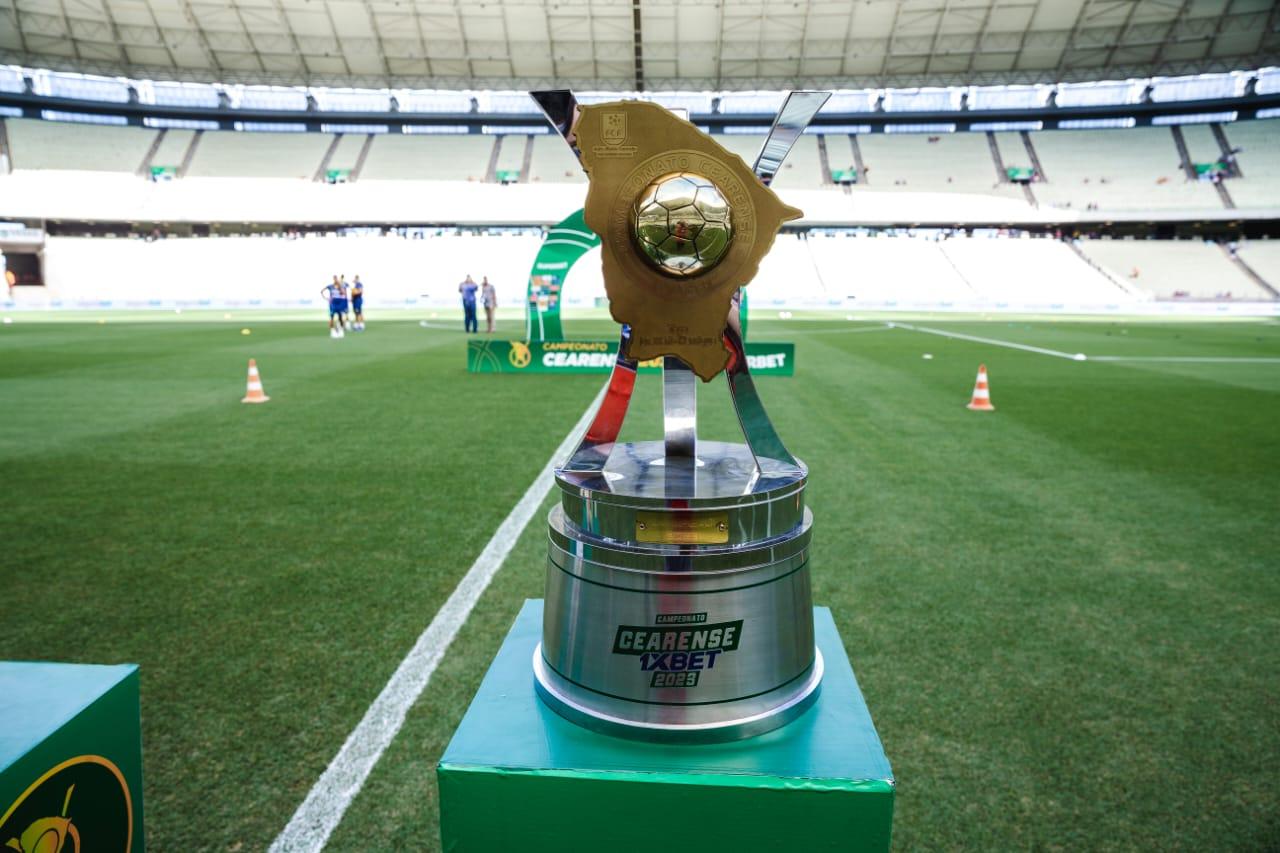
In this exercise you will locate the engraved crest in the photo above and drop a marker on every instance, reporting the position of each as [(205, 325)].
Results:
[(615, 128)]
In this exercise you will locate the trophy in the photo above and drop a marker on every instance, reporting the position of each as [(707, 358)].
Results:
[(678, 603)]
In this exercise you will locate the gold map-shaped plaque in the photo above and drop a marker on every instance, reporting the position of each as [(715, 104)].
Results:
[(683, 223)]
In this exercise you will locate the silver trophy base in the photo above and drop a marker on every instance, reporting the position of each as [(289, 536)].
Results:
[(724, 721)]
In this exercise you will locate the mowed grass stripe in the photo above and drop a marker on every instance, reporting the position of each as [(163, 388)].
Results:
[(268, 566), (314, 821), (1063, 614)]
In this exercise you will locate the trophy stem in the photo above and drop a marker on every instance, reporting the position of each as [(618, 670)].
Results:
[(679, 410)]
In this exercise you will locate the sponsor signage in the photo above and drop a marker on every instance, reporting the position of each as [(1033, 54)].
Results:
[(677, 653), (496, 356)]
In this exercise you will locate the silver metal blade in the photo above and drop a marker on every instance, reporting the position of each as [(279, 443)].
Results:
[(798, 110), (561, 109)]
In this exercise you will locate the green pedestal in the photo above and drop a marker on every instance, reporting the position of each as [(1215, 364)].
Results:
[(516, 776), (70, 758)]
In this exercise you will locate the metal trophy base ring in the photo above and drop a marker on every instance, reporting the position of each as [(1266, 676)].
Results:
[(623, 718), (682, 618)]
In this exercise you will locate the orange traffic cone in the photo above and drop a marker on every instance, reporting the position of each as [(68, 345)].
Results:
[(254, 394), (981, 401)]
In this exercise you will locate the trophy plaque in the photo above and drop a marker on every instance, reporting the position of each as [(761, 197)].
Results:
[(678, 604)]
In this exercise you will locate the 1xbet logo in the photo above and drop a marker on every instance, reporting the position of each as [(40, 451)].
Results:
[(677, 655)]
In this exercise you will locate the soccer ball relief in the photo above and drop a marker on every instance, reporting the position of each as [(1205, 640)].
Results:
[(682, 224)]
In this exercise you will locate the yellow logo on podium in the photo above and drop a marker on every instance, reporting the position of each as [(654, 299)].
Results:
[(520, 356)]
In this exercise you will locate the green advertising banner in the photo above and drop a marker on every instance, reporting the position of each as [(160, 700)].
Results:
[(494, 356), (566, 242)]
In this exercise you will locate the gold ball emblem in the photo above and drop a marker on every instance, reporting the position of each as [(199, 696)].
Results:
[(681, 223)]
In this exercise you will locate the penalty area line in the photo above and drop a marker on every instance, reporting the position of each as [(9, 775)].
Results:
[(1072, 356), (322, 810)]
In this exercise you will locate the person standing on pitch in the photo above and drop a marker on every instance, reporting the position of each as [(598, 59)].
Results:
[(337, 295), (346, 290), (489, 298), (357, 304), (468, 290)]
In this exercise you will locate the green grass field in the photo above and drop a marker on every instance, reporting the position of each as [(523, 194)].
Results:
[(1064, 615)]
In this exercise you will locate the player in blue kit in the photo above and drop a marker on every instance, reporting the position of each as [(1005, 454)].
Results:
[(357, 304), (337, 295)]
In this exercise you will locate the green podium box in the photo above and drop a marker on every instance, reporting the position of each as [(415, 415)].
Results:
[(517, 776), (70, 758)]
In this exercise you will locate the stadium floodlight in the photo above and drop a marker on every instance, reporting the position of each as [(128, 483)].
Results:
[(12, 80), (1008, 97), (1100, 94), (1096, 123), (1005, 126), (1197, 118), (1200, 87), (180, 123), (271, 126), (430, 101), (352, 100), (926, 127), (857, 101), (176, 94), (751, 103), (922, 100), (1268, 81), (84, 87), (267, 98), (82, 118)]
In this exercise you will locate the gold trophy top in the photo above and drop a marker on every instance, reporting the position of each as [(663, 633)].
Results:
[(683, 224)]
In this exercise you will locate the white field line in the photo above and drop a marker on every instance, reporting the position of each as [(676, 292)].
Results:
[(314, 821), (1073, 356), (1188, 359), (848, 331)]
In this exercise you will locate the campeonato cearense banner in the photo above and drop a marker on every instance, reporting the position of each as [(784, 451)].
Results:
[(496, 356)]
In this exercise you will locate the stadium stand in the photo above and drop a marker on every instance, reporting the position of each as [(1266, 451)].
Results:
[(223, 153), (1176, 269), (553, 162), (438, 157), (1029, 271), (38, 144), (173, 148), (1263, 257), (1201, 144), (803, 167), (510, 149), (282, 273), (1259, 160), (941, 162), (347, 153), (1132, 169), (745, 145)]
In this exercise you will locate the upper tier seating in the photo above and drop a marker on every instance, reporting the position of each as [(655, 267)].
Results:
[(38, 144), (347, 154), (511, 154), (1263, 257), (553, 162), (428, 156), (226, 153), (1134, 169), (173, 148), (952, 162), (1259, 162), (803, 167), (1172, 269)]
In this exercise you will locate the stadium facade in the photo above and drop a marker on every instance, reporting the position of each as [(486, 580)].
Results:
[(926, 186)]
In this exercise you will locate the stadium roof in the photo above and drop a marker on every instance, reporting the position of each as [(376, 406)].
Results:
[(639, 44)]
